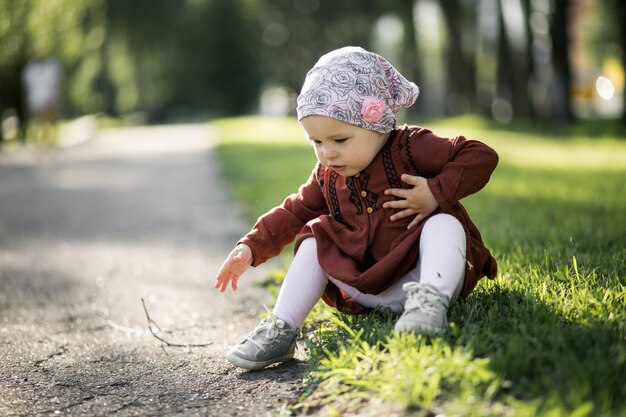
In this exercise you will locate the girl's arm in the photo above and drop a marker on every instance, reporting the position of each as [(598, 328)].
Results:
[(455, 167), (278, 227), (461, 167)]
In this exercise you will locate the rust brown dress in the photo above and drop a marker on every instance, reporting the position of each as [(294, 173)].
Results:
[(356, 241)]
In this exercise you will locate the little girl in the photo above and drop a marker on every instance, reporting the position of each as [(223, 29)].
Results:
[(378, 223)]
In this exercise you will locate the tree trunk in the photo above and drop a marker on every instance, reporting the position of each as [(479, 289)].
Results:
[(513, 68), (104, 83), (504, 79), (410, 64), (561, 61), (460, 64), (530, 60)]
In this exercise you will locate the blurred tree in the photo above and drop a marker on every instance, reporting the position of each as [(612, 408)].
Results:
[(103, 84), (226, 62), (513, 65), (601, 35), (160, 57), (185, 58), (211, 57), (559, 26), (461, 67), (295, 33), (13, 56), (611, 35), (534, 69), (620, 17), (40, 28), (142, 47), (409, 63), (30, 28)]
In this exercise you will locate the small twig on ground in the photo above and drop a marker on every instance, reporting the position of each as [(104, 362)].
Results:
[(61, 351), (152, 323), (121, 328)]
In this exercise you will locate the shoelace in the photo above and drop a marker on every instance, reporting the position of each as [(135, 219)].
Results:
[(270, 324), (419, 298)]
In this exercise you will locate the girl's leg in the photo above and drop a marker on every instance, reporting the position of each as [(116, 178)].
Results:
[(392, 298), (274, 339), (303, 286), (441, 269), (441, 264), (442, 255)]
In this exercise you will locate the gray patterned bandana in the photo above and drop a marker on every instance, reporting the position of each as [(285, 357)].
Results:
[(356, 87)]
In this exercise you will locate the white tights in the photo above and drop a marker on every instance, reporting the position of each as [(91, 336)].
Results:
[(441, 264)]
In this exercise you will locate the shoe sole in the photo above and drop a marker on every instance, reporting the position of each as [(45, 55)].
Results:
[(255, 366), (419, 329)]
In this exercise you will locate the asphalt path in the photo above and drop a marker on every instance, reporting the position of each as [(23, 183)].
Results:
[(88, 232)]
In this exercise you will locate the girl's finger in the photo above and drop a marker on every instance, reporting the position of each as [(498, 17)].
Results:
[(397, 192), (411, 179), (219, 279), (396, 204), (402, 214), (415, 221), (225, 280)]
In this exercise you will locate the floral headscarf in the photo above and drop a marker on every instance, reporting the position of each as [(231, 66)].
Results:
[(356, 87)]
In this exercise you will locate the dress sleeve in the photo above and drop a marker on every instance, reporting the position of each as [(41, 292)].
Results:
[(278, 227), (455, 167)]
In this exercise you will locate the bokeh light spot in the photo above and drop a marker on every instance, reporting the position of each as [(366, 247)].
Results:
[(605, 88)]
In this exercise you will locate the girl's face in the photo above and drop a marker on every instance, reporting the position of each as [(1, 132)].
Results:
[(342, 147)]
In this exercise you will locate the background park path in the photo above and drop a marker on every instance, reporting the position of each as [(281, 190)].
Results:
[(88, 231)]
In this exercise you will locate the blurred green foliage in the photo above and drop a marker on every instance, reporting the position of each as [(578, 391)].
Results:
[(160, 57), (173, 60)]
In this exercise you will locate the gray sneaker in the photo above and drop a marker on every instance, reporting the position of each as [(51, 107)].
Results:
[(424, 311), (272, 341)]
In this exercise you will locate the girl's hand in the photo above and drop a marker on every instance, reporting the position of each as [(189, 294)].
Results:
[(233, 267), (417, 200)]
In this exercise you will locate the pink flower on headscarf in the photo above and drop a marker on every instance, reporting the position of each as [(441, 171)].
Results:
[(373, 109)]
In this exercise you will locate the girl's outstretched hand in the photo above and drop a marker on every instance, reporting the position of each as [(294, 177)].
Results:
[(233, 267), (418, 200)]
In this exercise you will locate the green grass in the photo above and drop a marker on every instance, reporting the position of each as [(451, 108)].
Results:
[(264, 159), (547, 337)]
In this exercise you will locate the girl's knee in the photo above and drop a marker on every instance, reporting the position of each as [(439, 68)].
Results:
[(307, 246), (444, 221), (443, 230)]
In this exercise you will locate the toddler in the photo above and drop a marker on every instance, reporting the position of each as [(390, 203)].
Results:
[(378, 223)]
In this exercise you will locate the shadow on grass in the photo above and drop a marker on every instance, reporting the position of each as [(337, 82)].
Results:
[(539, 356), (540, 352)]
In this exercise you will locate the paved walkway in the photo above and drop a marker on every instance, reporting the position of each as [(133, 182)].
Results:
[(88, 231)]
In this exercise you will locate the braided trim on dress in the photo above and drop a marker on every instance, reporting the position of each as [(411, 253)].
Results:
[(390, 170), (334, 200), (414, 169)]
